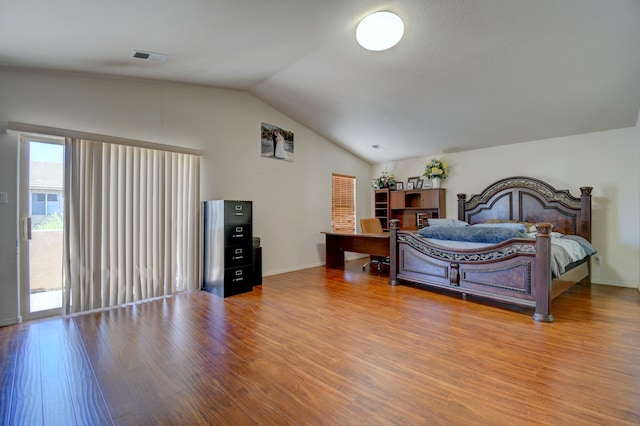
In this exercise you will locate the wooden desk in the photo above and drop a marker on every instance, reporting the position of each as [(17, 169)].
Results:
[(339, 242)]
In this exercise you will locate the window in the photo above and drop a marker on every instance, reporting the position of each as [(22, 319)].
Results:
[(46, 204), (343, 203), (38, 204), (53, 203)]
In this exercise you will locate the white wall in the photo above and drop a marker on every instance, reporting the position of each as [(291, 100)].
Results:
[(608, 161), (292, 201), (8, 229), (638, 145)]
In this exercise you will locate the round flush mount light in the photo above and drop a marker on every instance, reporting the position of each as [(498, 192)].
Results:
[(380, 31)]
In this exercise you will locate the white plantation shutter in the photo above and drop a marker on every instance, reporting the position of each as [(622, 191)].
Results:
[(343, 203)]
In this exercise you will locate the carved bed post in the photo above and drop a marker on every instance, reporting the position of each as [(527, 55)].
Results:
[(585, 225), (394, 226), (543, 273), (461, 199), (585, 214)]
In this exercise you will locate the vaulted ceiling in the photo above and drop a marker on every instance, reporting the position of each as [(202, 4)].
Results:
[(467, 74)]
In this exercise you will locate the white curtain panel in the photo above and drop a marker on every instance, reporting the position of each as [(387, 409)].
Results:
[(131, 224)]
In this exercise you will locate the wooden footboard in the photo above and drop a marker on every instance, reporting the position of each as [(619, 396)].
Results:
[(516, 272)]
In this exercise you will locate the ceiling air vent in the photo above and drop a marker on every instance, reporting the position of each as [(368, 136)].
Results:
[(149, 56)]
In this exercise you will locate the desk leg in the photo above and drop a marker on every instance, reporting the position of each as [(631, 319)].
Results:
[(393, 253), (334, 254)]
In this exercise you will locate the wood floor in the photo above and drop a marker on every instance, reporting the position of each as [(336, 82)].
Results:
[(328, 347)]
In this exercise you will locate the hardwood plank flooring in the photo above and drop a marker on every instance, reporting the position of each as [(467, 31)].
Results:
[(328, 346)]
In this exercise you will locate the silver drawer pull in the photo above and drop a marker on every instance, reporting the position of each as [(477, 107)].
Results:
[(238, 257), (238, 236)]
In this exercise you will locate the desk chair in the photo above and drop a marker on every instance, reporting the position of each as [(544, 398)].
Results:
[(372, 225)]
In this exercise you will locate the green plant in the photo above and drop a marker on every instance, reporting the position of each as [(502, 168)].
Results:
[(436, 169), (52, 222)]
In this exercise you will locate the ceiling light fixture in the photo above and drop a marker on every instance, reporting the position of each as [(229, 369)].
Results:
[(380, 31)]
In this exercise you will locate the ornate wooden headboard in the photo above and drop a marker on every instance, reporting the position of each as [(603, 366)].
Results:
[(526, 199)]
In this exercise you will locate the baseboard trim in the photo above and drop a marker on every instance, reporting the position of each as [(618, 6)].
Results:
[(348, 256), (10, 321), (297, 268)]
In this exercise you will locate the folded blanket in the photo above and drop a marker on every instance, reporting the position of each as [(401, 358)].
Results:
[(586, 245), (566, 249)]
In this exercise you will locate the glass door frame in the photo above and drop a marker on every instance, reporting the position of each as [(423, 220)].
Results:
[(24, 227)]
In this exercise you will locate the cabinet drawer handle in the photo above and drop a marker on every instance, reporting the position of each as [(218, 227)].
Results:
[(238, 257), (238, 235), (235, 280)]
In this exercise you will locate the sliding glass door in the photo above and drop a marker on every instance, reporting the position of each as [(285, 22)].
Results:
[(42, 222)]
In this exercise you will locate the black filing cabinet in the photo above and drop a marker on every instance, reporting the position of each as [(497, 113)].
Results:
[(227, 264)]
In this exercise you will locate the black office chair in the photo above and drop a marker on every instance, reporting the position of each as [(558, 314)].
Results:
[(372, 225)]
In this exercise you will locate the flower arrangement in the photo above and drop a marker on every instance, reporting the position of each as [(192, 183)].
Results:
[(385, 180), (436, 169)]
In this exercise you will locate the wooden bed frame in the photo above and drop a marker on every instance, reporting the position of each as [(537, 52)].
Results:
[(515, 273)]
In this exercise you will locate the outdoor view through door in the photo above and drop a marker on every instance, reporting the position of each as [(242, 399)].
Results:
[(42, 213)]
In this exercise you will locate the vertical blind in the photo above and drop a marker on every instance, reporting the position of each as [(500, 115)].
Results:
[(343, 202), (131, 224)]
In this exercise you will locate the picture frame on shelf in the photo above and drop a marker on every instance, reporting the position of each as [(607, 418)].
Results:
[(420, 184), (413, 181), (399, 186), (426, 184)]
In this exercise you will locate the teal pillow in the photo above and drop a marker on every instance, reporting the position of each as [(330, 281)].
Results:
[(479, 234), (447, 223)]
